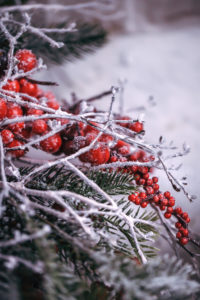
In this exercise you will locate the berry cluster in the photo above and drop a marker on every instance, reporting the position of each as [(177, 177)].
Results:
[(77, 135), (165, 202), (16, 134)]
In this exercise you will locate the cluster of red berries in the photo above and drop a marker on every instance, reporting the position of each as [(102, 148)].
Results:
[(165, 202)]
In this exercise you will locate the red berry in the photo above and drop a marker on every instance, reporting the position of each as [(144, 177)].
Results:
[(178, 210), (137, 127), (3, 109), (146, 176), (142, 181), (15, 111), (7, 136), (12, 86), (164, 202), (137, 177), (113, 159), (162, 207), (184, 231), (96, 156), (178, 225), (53, 104), (28, 88), (134, 169), (27, 60), (122, 147), (178, 235), (39, 126), (171, 201), (155, 179), (167, 194), (156, 198), (149, 190), (106, 138), (149, 182), (124, 118), (160, 196), (170, 210), (137, 201), (131, 197), (183, 240), (167, 215), (52, 144), (134, 156), (143, 195), (187, 220), (143, 170), (156, 187), (34, 111), (144, 204), (16, 153), (184, 215)]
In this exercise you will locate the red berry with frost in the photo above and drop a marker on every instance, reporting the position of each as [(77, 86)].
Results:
[(27, 60), (15, 153), (3, 109), (53, 104), (7, 136), (12, 86), (34, 111), (167, 215), (113, 159), (161, 196), (52, 144), (183, 241), (28, 88), (15, 111), (134, 156), (137, 127), (96, 156), (39, 126)]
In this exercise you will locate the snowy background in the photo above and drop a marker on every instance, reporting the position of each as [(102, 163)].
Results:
[(158, 52)]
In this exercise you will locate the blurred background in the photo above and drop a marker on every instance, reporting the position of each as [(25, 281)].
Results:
[(154, 46)]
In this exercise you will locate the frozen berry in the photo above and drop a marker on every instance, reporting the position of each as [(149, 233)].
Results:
[(52, 144), (7, 136), (29, 88), (96, 156), (34, 111), (3, 109), (39, 126), (16, 153), (137, 127), (15, 111), (27, 60), (12, 86), (53, 104)]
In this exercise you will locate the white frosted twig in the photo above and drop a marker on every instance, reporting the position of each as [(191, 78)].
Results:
[(24, 237)]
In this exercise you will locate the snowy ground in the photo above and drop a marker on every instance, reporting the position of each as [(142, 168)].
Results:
[(164, 64)]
